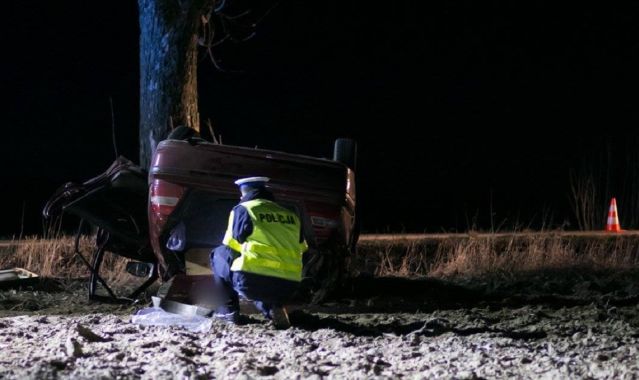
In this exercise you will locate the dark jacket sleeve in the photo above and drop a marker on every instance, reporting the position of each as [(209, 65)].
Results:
[(242, 225)]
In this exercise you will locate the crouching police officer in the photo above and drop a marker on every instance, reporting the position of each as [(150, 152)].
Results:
[(261, 255)]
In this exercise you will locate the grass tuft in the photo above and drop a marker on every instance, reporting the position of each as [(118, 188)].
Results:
[(55, 258), (490, 254)]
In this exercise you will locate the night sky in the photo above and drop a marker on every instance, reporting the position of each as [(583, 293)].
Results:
[(460, 108)]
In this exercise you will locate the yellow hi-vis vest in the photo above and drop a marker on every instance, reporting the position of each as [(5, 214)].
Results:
[(273, 248)]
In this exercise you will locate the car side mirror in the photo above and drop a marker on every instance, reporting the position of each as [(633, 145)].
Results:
[(139, 269)]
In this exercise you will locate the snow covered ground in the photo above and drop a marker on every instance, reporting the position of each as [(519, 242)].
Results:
[(582, 335)]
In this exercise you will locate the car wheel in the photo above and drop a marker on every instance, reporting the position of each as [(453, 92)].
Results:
[(182, 133), (345, 151)]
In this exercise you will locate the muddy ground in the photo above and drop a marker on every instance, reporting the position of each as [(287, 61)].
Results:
[(550, 325)]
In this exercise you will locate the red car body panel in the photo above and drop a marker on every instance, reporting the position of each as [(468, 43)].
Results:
[(322, 191), (190, 192)]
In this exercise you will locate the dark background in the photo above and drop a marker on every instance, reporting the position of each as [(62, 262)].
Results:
[(467, 114)]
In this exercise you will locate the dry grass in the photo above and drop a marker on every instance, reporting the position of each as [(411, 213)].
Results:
[(467, 255), (55, 258), (486, 255)]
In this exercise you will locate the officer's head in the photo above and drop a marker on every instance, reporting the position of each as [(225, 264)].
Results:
[(251, 184)]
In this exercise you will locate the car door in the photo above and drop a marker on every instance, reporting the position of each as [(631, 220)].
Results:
[(116, 202)]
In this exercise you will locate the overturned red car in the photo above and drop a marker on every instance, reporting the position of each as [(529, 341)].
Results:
[(189, 191)]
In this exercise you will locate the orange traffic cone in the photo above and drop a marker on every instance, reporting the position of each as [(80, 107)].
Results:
[(613, 217)]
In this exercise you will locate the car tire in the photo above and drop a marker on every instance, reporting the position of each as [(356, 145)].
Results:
[(182, 133), (345, 151)]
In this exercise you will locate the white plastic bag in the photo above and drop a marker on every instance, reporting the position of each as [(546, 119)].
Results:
[(155, 316)]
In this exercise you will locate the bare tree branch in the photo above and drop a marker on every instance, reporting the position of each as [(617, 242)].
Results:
[(215, 139), (237, 28)]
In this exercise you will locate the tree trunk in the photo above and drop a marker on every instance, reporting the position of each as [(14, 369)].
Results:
[(168, 69)]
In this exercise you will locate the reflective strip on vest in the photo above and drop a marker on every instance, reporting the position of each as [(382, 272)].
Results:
[(228, 236), (234, 244), (274, 264), (273, 248)]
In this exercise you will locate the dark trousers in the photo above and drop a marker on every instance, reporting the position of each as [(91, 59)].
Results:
[(265, 291)]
